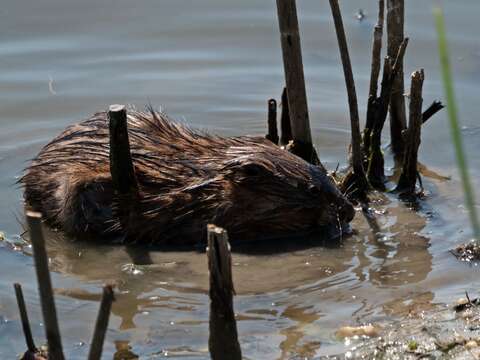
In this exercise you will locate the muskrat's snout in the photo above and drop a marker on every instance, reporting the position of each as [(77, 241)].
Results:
[(340, 213), (340, 208), (346, 212)]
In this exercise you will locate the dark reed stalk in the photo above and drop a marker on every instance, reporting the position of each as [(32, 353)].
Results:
[(285, 125), (272, 121), (223, 341), (295, 81), (395, 31), (102, 323), (34, 221), (27, 331), (408, 178), (435, 107), (357, 157), (121, 165), (376, 171), (374, 74)]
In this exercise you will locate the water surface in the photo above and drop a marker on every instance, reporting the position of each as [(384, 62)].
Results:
[(214, 64)]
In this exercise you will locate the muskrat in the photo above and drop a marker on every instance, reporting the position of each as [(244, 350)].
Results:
[(186, 179)]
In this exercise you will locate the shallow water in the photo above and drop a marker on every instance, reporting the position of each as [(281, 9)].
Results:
[(214, 64)]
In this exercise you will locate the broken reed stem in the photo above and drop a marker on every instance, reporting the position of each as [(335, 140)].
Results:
[(102, 323), (34, 221), (357, 157), (27, 331), (293, 66), (375, 171), (272, 121), (377, 49), (395, 30), (435, 107), (408, 178), (223, 340), (374, 74), (398, 64), (121, 165), (285, 125), (295, 81)]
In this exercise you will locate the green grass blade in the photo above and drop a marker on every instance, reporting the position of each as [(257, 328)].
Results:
[(453, 118)]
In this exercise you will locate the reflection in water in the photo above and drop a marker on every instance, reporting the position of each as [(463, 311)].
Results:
[(161, 293), (123, 351), (388, 255), (136, 271), (292, 344), (395, 253)]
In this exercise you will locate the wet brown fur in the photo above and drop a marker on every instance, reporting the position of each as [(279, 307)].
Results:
[(186, 179)]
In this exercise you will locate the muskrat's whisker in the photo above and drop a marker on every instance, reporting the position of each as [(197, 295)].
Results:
[(348, 188), (340, 229), (352, 191)]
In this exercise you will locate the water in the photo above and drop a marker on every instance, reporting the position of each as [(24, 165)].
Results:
[(214, 64)]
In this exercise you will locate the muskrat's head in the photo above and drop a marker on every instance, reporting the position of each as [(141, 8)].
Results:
[(272, 193)]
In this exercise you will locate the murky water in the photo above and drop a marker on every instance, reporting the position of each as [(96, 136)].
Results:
[(214, 64)]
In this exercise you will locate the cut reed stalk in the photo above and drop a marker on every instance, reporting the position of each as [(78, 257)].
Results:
[(272, 121), (375, 171), (285, 125), (395, 31), (223, 340), (295, 81), (34, 221), (102, 324), (408, 178), (357, 157), (27, 331), (121, 165), (374, 74)]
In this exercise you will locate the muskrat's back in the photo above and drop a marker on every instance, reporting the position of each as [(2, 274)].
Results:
[(186, 179)]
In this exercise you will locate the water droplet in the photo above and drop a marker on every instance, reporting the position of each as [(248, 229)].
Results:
[(132, 269)]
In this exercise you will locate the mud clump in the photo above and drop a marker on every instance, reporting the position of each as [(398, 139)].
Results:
[(447, 332)]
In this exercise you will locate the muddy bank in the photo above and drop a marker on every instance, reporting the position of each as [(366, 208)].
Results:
[(447, 332)]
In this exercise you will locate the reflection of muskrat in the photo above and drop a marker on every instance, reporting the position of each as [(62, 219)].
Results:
[(186, 179)]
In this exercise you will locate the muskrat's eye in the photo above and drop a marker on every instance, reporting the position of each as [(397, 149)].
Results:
[(252, 170), (314, 189)]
